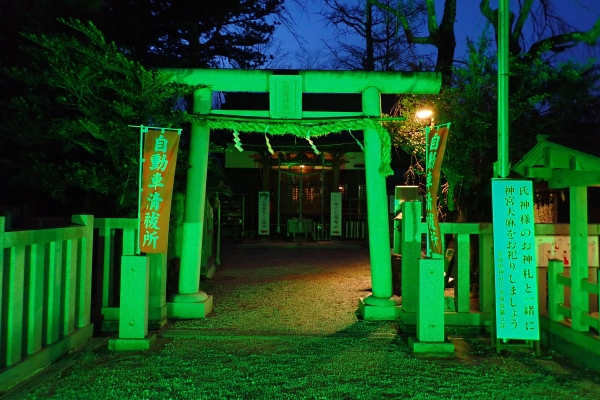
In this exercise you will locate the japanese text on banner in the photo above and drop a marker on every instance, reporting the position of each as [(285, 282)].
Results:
[(435, 154), (160, 158)]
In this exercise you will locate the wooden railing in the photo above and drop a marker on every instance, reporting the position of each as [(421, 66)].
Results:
[(569, 309), (460, 313), (582, 317), (45, 295), (553, 284), (108, 257)]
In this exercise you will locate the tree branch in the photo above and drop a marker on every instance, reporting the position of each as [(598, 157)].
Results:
[(523, 14), (432, 25), (565, 41), (399, 13)]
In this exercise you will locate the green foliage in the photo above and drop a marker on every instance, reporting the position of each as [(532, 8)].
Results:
[(542, 95), (68, 125)]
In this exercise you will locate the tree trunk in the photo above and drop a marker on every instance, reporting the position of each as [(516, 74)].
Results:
[(369, 63)]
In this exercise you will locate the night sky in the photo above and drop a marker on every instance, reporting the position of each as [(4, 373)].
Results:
[(470, 23)]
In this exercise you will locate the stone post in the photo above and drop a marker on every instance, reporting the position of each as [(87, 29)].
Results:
[(133, 318), (579, 255)]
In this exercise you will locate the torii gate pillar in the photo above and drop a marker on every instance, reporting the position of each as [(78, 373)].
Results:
[(380, 305), (190, 302)]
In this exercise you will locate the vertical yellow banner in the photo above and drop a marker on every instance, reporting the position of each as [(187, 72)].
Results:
[(158, 172), (435, 154)]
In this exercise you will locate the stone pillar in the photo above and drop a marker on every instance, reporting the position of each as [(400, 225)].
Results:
[(430, 336), (190, 302), (380, 305), (579, 255), (133, 313)]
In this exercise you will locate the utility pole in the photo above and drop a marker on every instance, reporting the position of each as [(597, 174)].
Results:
[(502, 165)]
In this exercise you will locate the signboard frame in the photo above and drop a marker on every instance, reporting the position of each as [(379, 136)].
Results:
[(264, 209), (515, 267), (336, 214)]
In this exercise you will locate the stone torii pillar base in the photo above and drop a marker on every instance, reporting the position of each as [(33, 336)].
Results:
[(188, 307), (380, 309)]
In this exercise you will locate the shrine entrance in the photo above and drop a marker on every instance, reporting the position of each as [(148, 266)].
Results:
[(286, 116)]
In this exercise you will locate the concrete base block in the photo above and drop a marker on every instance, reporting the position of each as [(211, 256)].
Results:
[(430, 347), (190, 310), (378, 313), (119, 344)]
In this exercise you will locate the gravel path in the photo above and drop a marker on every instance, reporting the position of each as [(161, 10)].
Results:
[(287, 291), (285, 326)]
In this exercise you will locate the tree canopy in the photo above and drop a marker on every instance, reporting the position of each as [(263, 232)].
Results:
[(193, 33), (67, 125), (70, 89)]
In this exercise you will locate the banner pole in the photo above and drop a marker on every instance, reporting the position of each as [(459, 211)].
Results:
[(427, 237)]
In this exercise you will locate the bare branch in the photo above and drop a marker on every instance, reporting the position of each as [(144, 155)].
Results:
[(565, 41), (399, 13), (523, 14)]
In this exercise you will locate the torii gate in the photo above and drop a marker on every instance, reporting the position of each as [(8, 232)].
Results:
[(285, 90)]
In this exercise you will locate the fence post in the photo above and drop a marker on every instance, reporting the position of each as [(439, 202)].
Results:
[(463, 287), (108, 263), (579, 256), (411, 253), (85, 254), (14, 305), (556, 291), (486, 268)]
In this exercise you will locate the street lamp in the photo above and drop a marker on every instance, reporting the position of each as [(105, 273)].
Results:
[(424, 113)]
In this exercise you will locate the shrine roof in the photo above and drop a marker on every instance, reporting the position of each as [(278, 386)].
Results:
[(563, 161)]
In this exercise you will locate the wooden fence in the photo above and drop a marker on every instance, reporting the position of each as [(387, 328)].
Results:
[(117, 237), (568, 309), (45, 294)]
